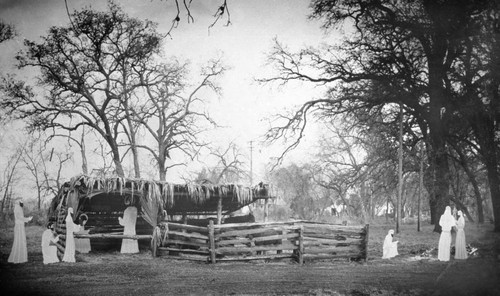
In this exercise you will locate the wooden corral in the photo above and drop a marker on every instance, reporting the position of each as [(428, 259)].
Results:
[(300, 240)]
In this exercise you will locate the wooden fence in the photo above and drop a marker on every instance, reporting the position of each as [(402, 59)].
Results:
[(300, 240)]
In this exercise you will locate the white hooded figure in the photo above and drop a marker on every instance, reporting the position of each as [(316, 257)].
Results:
[(19, 252), (128, 222), (460, 245), (49, 248), (71, 227), (447, 221), (390, 248)]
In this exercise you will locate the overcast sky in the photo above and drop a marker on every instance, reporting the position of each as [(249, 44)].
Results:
[(244, 104)]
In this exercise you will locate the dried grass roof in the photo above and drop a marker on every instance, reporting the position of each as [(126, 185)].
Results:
[(175, 198)]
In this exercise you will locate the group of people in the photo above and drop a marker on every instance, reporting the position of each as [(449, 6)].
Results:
[(447, 222), (50, 238)]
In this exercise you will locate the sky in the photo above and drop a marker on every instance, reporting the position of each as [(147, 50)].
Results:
[(244, 106)]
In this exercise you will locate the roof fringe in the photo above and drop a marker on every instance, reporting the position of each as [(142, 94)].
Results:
[(161, 191)]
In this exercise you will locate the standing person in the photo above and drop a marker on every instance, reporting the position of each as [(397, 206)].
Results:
[(128, 221), (71, 227), (19, 251), (49, 248), (460, 251), (82, 245), (390, 248), (446, 222)]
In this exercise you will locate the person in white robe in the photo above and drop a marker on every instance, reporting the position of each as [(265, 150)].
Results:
[(447, 221), (460, 246), (71, 228), (390, 248), (128, 222), (82, 245), (49, 248), (19, 251)]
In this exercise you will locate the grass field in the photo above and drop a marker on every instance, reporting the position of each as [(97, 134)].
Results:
[(112, 273)]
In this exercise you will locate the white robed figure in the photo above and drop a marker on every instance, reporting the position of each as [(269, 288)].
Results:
[(82, 245), (71, 227), (460, 246), (49, 248), (128, 222), (19, 251), (390, 248), (447, 221)]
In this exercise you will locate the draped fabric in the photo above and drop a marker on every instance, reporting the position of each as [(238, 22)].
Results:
[(128, 222), (49, 251), (390, 248), (460, 245), (19, 251), (150, 209), (151, 204), (82, 245), (71, 227), (447, 221)]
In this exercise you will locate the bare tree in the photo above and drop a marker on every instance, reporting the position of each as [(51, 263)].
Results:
[(9, 179), (405, 49), (88, 68), (33, 157), (230, 166), (172, 115)]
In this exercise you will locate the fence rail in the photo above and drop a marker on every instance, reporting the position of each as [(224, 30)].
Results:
[(300, 240)]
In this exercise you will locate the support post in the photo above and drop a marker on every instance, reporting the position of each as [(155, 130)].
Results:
[(301, 245), (400, 170), (421, 185), (211, 238), (266, 209), (219, 210)]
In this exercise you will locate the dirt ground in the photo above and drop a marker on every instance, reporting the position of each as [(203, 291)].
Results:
[(112, 273)]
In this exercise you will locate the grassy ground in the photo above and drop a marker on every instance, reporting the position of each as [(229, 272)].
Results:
[(112, 273)]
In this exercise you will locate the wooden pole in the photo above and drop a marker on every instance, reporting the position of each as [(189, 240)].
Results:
[(400, 170), (211, 234), (219, 210), (266, 209), (420, 187)]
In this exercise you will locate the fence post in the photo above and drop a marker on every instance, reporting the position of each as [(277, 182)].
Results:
[(211, 234), (301, 245), (154, 241)]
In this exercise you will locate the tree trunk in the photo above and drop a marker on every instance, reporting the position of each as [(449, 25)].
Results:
[(475, 185), (161, 168), (117, 161), (85, 169), (439, 199), (436, 119), (484, 129), (495, 192)]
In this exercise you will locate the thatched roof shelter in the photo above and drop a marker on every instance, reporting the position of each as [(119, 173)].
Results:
[(155, 197)]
